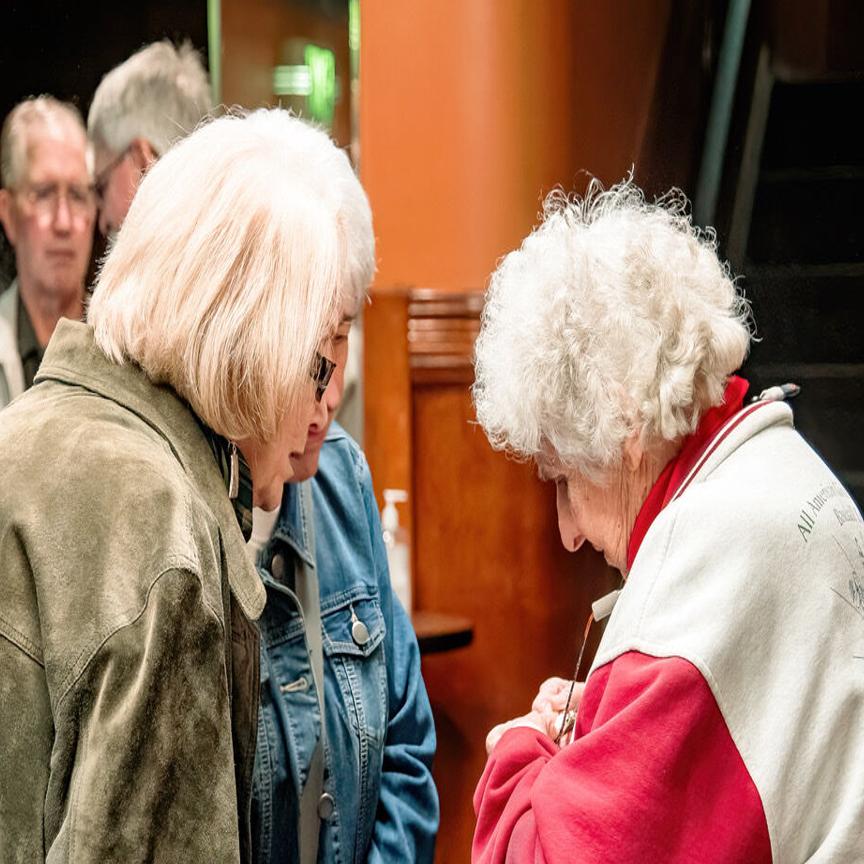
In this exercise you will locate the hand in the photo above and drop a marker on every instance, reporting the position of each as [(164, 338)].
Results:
[(534, 720), (553, 694), (547, 710)]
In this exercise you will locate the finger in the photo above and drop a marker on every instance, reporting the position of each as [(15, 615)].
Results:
[(565, 697), (551, 686), (494, 736), (540, 703), (553, 692)]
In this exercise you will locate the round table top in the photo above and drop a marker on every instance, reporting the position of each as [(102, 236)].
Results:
[(439, 631)]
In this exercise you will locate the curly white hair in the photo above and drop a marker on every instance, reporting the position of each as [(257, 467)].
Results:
[(614, 317)]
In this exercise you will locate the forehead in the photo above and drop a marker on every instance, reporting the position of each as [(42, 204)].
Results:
[(56, 154)]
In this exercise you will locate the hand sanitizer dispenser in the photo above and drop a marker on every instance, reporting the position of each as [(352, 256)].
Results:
[(398, 550)]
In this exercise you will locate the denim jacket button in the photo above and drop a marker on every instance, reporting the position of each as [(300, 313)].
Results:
[(359, 633), (326, 805), (277, 567)]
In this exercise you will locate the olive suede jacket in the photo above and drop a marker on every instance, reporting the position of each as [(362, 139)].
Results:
[(128, 662)]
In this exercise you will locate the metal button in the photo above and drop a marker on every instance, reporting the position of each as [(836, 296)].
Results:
[(326, 806), (277, 567), (359, 632)]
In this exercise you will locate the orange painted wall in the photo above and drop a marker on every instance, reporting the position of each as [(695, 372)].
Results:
[(470, 111)]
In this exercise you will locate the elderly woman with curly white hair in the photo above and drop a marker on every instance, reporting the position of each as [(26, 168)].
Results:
[(723, 717), (129, 660)]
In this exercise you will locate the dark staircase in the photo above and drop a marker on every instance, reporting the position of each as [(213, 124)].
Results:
[(803, 265)]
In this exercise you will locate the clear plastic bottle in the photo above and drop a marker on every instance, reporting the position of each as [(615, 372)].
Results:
[(398, 548)]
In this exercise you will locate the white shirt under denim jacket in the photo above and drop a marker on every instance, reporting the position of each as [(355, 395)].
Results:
[(380, 733)]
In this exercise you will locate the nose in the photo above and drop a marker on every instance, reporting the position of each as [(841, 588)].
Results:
[(571, 537), (332, 395), (62, 215), (319, 411)]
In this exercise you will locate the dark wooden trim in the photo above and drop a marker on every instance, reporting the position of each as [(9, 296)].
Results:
[(442, 329)]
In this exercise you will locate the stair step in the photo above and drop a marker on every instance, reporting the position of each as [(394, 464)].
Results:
[(813, 124), (809, 221), (854, 483), (807, 314)]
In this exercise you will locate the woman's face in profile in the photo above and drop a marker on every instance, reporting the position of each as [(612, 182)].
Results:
[(271, 462), (594, 513)]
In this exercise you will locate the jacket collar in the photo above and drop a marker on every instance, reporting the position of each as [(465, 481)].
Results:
[(291, 526), (72, 357)]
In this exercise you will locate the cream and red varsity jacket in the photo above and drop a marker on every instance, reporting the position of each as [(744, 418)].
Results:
[(723, 718)]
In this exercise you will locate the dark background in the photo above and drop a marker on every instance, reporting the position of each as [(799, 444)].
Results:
[(64, 49)]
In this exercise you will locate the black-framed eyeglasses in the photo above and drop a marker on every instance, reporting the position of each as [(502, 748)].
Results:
[(321, 372)]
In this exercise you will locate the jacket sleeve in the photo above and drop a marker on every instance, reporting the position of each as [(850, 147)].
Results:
[(653, 776), (147, 730), (406, 820)]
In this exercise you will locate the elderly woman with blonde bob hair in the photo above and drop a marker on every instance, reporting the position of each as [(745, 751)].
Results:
[(722, 719), (129, 661)]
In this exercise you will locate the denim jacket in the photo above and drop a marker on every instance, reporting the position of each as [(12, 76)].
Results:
[(380, 734)]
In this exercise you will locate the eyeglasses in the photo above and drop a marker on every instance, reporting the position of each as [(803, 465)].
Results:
[(104, 176), (321, 372), (44, 199)]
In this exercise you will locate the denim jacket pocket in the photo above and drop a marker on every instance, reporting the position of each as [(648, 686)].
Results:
[(354, 631)]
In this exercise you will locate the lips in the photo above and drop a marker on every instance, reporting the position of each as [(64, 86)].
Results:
[(315, 435)]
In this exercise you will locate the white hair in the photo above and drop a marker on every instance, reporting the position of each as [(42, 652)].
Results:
[(161, 93), (43, 114), (232, 266), (614, 317)]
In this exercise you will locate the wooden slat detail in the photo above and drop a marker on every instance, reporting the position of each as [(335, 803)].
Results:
[(442, 329)]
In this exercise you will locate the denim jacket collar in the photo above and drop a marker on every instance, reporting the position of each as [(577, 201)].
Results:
[(292, 525)]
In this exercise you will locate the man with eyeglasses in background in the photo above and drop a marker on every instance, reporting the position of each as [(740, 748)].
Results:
[(140, 109), (47, 209)]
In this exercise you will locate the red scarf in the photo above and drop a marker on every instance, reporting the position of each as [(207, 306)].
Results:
[(676, 471)]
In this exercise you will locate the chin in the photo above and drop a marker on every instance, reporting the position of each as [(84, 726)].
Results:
[(305, 466), (268, 498)]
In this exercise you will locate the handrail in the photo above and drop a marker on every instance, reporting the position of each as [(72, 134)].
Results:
[(720, 114)]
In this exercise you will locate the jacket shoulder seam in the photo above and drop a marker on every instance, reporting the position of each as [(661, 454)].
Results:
[(20, 641), (75, 673)]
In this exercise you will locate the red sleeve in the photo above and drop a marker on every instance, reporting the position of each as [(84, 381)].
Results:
[(652, 776)]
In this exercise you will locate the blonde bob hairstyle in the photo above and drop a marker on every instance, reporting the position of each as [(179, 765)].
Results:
[(614, 317), (241, 247)]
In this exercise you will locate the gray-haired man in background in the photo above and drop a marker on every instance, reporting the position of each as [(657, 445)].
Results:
[(140, 108), (47, 211)]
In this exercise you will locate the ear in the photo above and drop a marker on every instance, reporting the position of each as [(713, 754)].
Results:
[(143, 154), (6, 216), (634, 451)]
